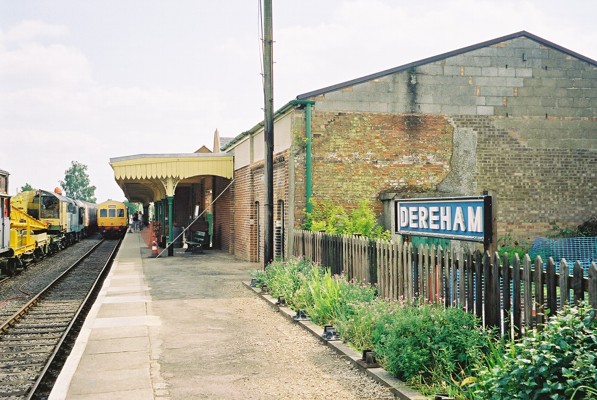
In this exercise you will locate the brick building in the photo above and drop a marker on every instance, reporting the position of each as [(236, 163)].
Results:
[(515, 116)]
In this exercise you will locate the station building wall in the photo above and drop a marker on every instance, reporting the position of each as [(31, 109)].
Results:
[(517, 118)]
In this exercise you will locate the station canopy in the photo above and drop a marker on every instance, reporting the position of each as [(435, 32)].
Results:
[(146, 178)]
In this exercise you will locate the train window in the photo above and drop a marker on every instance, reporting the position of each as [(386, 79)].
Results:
[(120, 213), (103, 213), (112, 213), (49, 207)]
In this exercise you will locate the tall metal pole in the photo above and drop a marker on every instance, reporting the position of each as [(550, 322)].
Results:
[(268, 126)]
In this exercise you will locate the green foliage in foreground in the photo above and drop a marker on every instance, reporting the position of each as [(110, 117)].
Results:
[(437, 349), (558, 362), (429, 343), (421, 344)]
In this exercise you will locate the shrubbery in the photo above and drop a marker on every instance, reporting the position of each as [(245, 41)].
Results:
[(429, 344), (331, 218), (422, 344), (439, 349), (558, 362)]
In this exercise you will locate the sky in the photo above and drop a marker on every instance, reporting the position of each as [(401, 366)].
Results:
[(91, 80)]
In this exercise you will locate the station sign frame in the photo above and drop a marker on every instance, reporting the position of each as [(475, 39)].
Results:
[(467, 218)]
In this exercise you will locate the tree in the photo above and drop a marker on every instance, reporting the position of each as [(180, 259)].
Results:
[(76, 183), (26, 187)]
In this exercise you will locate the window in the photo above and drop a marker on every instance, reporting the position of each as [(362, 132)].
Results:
[(279, 231)]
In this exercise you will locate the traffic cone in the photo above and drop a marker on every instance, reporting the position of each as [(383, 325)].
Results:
[(154, 248)]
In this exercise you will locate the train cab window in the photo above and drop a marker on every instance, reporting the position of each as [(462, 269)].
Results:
[(49, 208), (111, 213), (103, 213), (120, 213)]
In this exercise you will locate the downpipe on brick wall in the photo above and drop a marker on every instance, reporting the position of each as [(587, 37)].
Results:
[(308, 172)]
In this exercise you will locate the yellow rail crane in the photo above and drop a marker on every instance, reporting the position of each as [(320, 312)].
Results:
[(29, 241)]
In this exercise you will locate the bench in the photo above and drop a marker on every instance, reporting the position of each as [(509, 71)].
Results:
[(197, 242)]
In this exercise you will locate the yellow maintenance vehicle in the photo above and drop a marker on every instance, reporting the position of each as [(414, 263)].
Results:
[(28, 239)]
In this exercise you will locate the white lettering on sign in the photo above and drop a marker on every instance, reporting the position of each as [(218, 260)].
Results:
[(459, 220), (423, 218), (445, 217), (440, 218), (433, 217), (412, 217), (475, 219)]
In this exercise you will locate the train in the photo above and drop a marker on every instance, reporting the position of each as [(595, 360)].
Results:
[(112, 220), (36, 223), (68, 220)]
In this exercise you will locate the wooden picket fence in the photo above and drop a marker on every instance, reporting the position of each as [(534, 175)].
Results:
[(513, 296)]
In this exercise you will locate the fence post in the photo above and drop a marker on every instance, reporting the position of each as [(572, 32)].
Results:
[(577, 278), (528, 291), (564, 283), (431, 274), (593, 285), (447, 289), (454, 277), (550, 281), (506, 297), (372, 258), (492, 314), (417, 270), (479, 284), (470, 282), (461, 280), (539, 293), (516, 296)]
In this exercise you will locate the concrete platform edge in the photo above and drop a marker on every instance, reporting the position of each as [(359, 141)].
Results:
[(380, 375)]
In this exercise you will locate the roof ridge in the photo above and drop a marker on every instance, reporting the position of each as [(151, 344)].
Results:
[(442, 56)]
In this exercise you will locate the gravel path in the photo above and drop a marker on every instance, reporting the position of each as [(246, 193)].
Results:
[(218, 340)]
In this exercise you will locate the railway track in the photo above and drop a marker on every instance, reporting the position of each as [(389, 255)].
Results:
[(36, 339)]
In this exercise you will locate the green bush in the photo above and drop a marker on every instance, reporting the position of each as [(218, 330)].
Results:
[(331, 218), (429, 343), (288, 279), (423, 344), (333, 298), (558, 362), (508, 245), (358, 327)]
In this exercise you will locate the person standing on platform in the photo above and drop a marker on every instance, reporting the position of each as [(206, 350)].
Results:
[(135, 221)]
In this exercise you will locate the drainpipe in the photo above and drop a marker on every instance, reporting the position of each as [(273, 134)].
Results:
[(308, 167)]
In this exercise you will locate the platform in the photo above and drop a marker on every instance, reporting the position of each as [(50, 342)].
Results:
[(115, 355), (189, 327)]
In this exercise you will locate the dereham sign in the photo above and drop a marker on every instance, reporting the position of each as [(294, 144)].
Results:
[(457, 218)]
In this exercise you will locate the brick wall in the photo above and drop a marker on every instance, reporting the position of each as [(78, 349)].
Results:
[(242, 199), (223, 218), (534, 187), (518, 118), (357, 156), (248, 226)]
